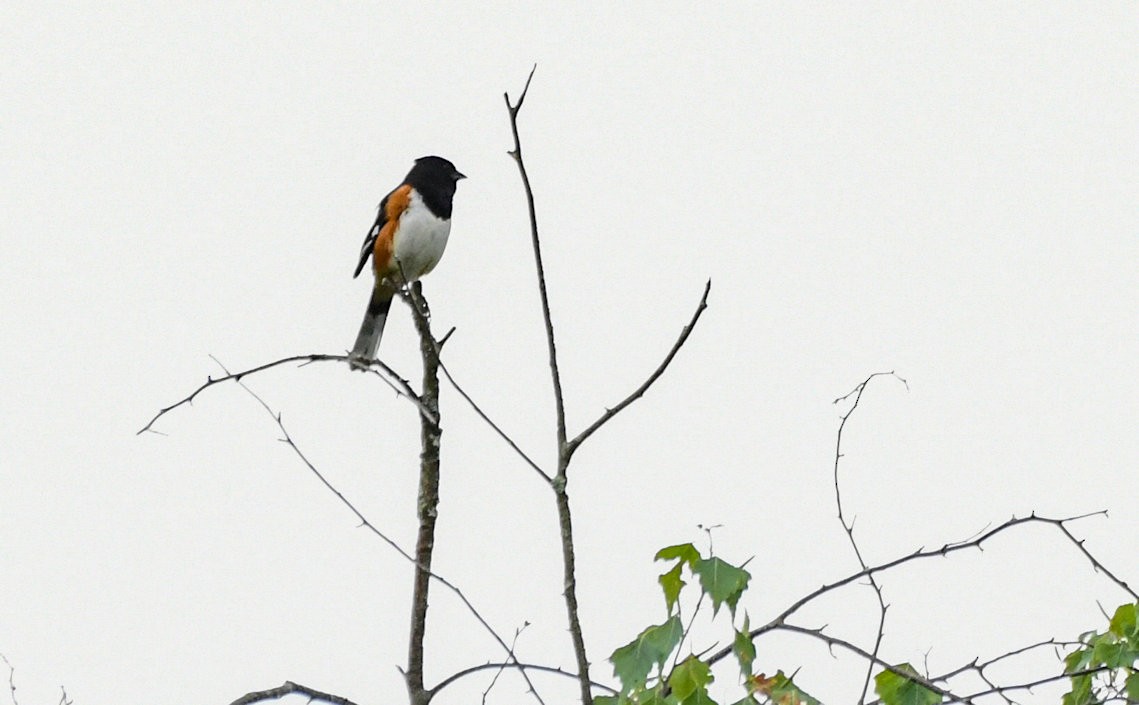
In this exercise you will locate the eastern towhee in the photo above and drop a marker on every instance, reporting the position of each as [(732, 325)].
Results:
[(405, 242)]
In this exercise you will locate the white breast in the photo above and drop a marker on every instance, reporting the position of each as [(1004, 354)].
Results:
[(420, 239)]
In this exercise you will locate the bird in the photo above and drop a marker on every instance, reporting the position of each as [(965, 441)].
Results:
[(406, 242)]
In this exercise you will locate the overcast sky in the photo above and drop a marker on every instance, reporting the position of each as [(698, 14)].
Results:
[(947, 190)]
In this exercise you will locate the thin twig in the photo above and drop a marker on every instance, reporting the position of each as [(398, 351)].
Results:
[(996, 689), (920, 554), (1096, 564), (288, 689), (687, 630), (977, 665), (832, 641), (365, 523), (514, 664), (502, 434), (559, 404), (399, 384), (1040, 681), (419, 309), (848, 527), (11, 679), (513, 643), (639, 391)]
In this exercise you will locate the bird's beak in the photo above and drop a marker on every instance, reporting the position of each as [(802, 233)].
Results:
[(458, 175)]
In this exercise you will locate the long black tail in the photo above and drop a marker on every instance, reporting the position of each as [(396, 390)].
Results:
[(372, 329)]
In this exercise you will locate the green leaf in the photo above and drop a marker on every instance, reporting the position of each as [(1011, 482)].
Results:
[(1078, 660), (1132, 686), (747, 700), (632, 662), (1123, 624), (1113, 654), (685, 552), (689, 676), (895, 689), (671, 583), (744, 648), (1106, 652), (605, 700), (722, 581), (1081, 692)]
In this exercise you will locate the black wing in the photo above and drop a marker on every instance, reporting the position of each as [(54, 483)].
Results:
[(370, 240)]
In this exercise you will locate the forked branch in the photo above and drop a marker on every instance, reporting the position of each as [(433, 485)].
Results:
[(566, 447), (558, 483), (421, 568)]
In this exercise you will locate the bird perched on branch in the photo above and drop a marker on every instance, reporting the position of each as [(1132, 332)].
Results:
[(406, 242)]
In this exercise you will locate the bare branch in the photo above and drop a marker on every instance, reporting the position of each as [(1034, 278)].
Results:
[(848, 527), (1001, 690), (364, 522), (430, 349), (502, 434), (428, 500), (513, 644), (832, 641), (978, 665), (288, 440), (569, 592), (11, 679), (639, 391), (923, 554), (1095, 563), (920, 554), (558, 484), (419, 309), (288, 689), (528, 666), (399, 384), (1041, 681), (516, 153)]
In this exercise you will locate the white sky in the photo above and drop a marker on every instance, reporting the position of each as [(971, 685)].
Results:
[(944, 189)]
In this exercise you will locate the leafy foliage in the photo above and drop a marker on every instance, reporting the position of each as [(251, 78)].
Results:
[(1104, 668), (721, 583)]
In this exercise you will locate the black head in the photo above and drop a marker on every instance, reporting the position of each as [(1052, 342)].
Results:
[(435, 179), (435, 169)]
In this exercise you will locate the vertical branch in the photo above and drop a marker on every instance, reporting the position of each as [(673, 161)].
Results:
[(848, 527), (517, 155), (558, 484), (427, 504), (570, 587)]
